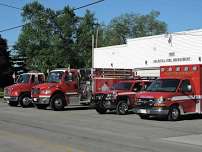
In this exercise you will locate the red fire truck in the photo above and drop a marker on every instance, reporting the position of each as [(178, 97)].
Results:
[(121, 97), (63, 87), (20, 92), (177, 92)]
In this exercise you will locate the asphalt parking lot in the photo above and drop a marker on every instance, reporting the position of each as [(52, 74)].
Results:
[(83, 130)]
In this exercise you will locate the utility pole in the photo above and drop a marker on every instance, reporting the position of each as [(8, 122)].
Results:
[(97, 32), (93, 41)]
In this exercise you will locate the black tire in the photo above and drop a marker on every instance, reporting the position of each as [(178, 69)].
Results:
[(122, 108), (13, 104), (58, 102), (143, 116), (25, 100), (100, 108), (41, 106), (174, 114)]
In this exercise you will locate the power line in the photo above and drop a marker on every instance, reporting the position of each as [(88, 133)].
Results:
[(10, 6), (88, 5), (12, 28)]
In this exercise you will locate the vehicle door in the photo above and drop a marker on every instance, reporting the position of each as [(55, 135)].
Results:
[(32, 82), (71, 84), (187, 98), (40, 79)]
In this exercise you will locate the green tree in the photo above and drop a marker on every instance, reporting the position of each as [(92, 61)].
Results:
[(133, 26), (87, 27), (48, 38), (5, 66)]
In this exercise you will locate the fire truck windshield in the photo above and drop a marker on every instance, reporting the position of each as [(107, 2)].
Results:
[(23, 78), (164, 85), (55, 76), (122, 86)]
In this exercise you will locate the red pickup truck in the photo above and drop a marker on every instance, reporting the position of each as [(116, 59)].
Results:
[(20, 92)]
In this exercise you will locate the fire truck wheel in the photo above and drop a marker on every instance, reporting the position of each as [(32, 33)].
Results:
[(122, 108), (100, 108), (25, 100), (57, 102), (174, 113), (41, 106), (13, 104)]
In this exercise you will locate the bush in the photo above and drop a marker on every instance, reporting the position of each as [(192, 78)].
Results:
[(1, 92)]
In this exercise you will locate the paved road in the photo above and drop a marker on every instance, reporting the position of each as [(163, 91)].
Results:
[(83, 130)]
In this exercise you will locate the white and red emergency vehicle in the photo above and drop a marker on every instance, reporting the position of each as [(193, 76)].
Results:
[(177, 92)]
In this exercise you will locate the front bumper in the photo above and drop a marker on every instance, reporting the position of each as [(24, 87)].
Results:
[(11, 99), (41, 100), (107, 104), (152, 111)]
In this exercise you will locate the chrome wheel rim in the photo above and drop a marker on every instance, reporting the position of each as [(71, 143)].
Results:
[(26, 101), (175, 114), (58, 102), (123, 108)]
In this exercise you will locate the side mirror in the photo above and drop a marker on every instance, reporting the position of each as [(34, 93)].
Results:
[(135, 89), (189, 88)]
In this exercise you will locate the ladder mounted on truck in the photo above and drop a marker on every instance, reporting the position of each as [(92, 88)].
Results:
[(112, 73)]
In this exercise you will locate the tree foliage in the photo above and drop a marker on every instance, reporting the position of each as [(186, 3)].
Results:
[(5, 66), (54, 39), (133, 26)]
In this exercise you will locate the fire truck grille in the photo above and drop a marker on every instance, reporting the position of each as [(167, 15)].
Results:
[(99, 97), (145, 102), (35, 91), (6, 92)]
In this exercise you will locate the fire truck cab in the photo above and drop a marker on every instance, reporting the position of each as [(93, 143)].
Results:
[(177, 92), (61, 89), (20, 92)]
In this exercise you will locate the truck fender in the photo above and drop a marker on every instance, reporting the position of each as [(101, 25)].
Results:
[(123, 98), (180, 108)]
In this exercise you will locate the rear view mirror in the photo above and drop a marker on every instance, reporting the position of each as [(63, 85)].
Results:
[(189, 88)]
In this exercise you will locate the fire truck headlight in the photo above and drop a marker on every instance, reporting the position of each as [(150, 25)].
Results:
[(45, 92), (160, 100), (15, 93)]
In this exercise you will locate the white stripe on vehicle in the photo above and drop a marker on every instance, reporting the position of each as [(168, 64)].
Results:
[(71, 93), (43, 96), (176, 98)]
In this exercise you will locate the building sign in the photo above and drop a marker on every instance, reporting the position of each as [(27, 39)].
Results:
[(169, 60)]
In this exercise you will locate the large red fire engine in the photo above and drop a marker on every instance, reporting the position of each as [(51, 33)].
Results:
[(177, 92), (21, 91), (63, 87)]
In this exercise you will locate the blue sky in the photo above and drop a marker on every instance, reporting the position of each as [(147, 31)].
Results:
[(180, 15)]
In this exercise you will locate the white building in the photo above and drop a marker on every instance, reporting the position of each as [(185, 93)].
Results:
[(152, 52)]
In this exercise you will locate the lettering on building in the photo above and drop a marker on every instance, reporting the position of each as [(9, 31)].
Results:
[(172, 60)]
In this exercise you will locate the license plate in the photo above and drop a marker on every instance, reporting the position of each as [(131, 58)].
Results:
[(143, 111)]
